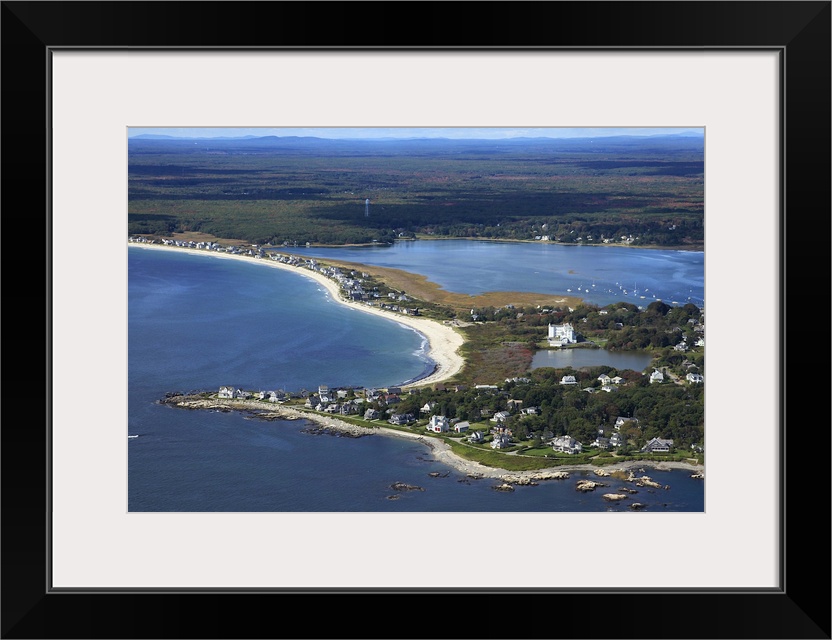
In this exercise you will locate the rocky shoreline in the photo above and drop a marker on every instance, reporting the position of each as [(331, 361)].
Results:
[(267, 411), (441, 451)]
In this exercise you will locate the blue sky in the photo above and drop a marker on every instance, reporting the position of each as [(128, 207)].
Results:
[(495, 133)]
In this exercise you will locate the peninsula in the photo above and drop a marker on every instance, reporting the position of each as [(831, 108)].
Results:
[(503, 443), (442, 448)]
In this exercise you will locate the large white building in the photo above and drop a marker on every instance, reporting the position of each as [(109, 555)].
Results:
[(439, 424), (561, 334)]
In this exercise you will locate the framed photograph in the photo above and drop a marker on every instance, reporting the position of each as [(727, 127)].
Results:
[(78, 77)]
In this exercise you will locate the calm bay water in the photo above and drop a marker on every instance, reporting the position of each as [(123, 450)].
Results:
[(199, 322), (598, 274)]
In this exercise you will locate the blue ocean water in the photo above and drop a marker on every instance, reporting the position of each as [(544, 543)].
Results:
[(199, 322), (598, 274)]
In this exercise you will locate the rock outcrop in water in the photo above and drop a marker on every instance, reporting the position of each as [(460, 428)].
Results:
[(588, 485), (403, 486), (615, 497)]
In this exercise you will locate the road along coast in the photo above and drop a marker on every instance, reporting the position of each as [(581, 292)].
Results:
[(443, 340)]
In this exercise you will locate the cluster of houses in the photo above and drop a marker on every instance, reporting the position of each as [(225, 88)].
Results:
[(610, 384), (255, 250), (626, 239), (611, 438), (234, 393), (348, 402), (352, 283), (692, 378)]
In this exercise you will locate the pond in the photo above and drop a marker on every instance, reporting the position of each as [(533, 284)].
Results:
[(589, 357)]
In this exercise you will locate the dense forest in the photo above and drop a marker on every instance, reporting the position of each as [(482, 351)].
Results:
[(279, 191)]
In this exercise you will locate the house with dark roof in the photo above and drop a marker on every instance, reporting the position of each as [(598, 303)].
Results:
[(657, 445)]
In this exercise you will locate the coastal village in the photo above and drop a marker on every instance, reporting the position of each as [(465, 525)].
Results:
[(512, 417), (488, 428), (351, 412)]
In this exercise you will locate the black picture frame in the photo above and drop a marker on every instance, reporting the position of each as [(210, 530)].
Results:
[(799, 31)]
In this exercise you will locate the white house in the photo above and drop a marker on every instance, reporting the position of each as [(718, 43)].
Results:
[(501, 416), (617, 440), (428, 407), (561, 334), (462, 427), (568, 380), (567, 444), (656, 376), (500, 441), (694, 377), (226, 392), (605, 379), (438, 424), (621, 420)]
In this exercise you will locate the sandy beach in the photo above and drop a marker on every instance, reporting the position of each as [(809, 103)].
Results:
[(443, 340)]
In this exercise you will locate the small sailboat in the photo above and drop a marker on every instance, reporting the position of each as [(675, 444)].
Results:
[(135, 436)]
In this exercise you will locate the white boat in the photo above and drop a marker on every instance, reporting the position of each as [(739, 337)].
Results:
[(136, 436)]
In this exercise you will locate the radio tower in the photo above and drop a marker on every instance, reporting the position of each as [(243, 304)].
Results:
[(367, 208)]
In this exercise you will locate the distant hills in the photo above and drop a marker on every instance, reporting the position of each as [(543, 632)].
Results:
[(301, 144)]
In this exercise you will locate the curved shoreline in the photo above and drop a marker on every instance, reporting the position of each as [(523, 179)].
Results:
[(440, 449), (443, 341)]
